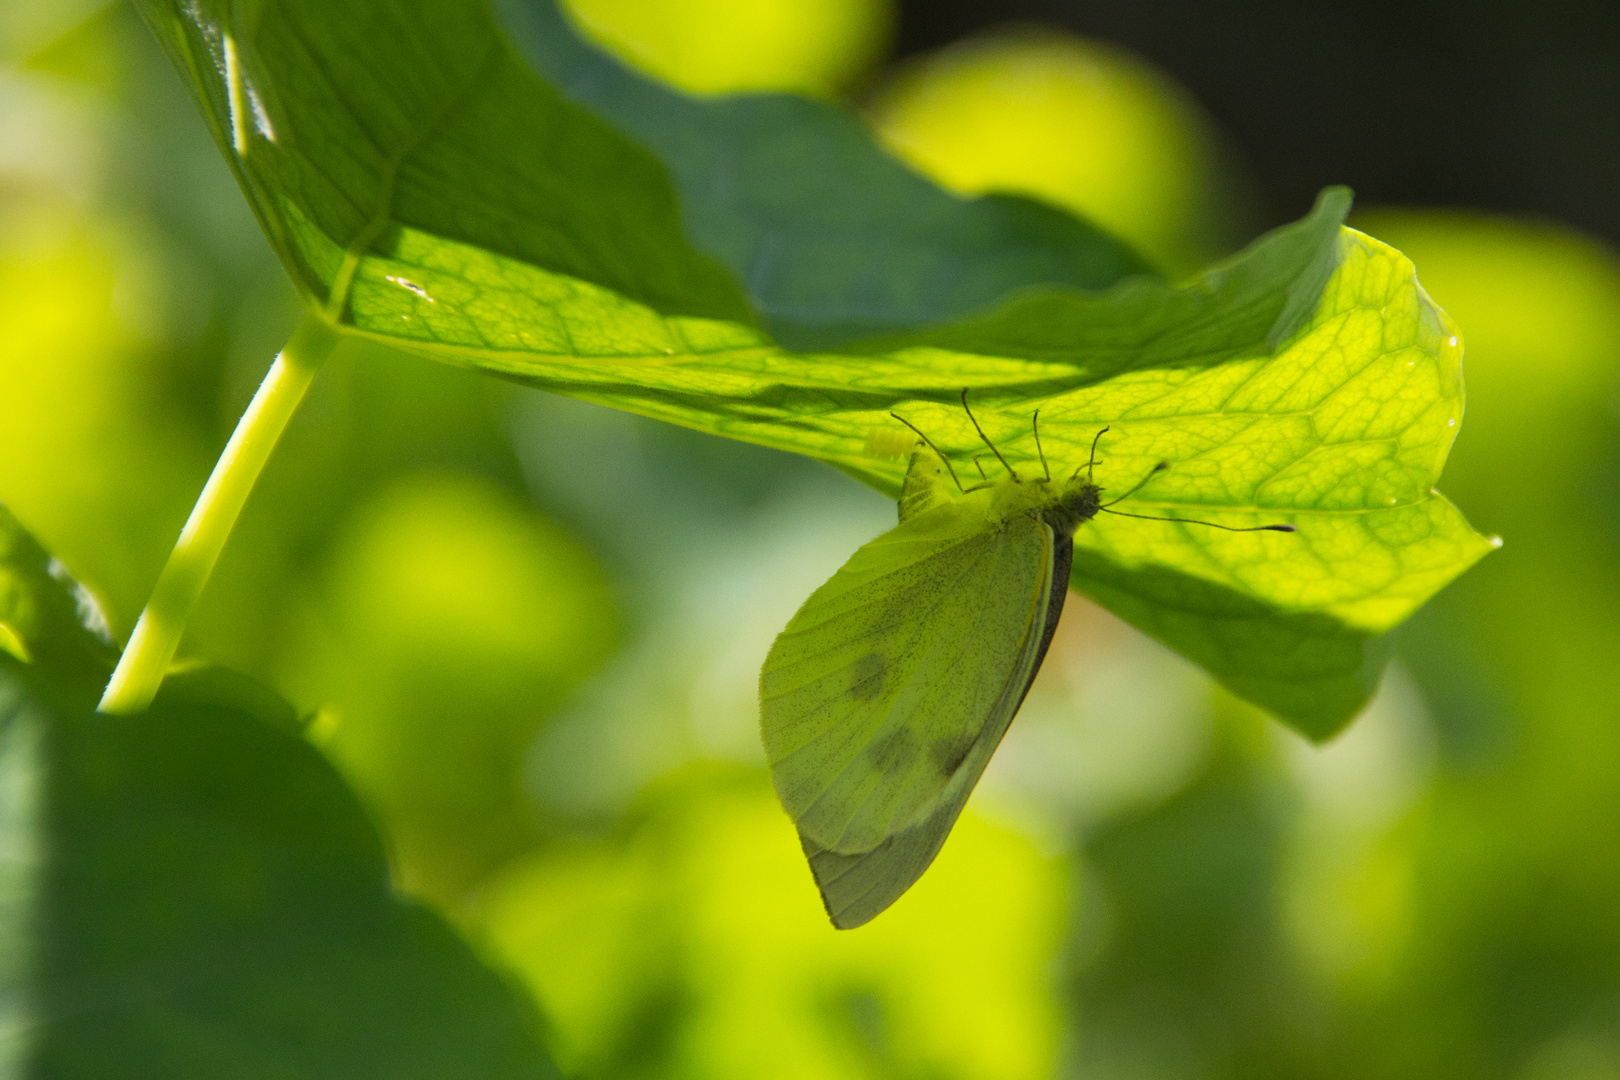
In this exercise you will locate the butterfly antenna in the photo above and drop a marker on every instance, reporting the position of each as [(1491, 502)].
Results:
[(1211, 524), (1156, 470), (1035, 423), (1091, 462), (932, 447), (1010, 470)]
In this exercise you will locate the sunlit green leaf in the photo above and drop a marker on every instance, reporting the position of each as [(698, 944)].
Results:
[(431, 191), (192, 893)]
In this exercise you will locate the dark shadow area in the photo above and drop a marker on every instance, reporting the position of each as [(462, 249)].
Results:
[(1510, 106)]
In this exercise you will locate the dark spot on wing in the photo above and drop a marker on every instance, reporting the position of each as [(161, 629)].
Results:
[(867, 676), (888, 751), (949, 756)]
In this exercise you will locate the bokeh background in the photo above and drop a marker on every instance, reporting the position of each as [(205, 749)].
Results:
[(528, 630)]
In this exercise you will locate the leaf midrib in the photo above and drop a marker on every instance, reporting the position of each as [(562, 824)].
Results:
[(357, 249)]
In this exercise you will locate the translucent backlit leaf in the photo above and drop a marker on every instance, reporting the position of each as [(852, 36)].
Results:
[(754, 267)]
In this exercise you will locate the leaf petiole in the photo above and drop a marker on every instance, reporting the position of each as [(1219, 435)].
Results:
[(151, 647)]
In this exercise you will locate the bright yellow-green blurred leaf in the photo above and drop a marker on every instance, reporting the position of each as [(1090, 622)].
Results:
[(704, 926), (1083, 125), (89, 461), (455, 620), (715, 46), (450, 571), (26, 26)]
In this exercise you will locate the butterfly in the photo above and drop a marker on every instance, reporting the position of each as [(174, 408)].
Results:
[(885, 696)]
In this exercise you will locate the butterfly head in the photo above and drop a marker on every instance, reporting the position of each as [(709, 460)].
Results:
[(1070, 504)]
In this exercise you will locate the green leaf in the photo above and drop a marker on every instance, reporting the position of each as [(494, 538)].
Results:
[(377, 128), (434, 193), (192, 892), (1343, 432), (356, 127), (45, 616), (834, 239)]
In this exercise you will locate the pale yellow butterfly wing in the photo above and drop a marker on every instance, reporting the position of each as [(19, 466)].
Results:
[(883, 699)]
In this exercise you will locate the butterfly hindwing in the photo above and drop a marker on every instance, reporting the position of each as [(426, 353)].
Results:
[(857, 887), (883, 699)]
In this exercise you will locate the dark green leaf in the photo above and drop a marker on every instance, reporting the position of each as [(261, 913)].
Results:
[(834, 239), (193, 893)]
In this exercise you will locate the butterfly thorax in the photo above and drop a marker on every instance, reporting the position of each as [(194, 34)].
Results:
[(1062, 505)]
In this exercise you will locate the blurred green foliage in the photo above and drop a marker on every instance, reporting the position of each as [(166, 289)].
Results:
[(452, 622), (654, 948), (526, 631), (1077, 123)]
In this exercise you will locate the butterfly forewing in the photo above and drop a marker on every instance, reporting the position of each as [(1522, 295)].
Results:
[(885, 696)]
